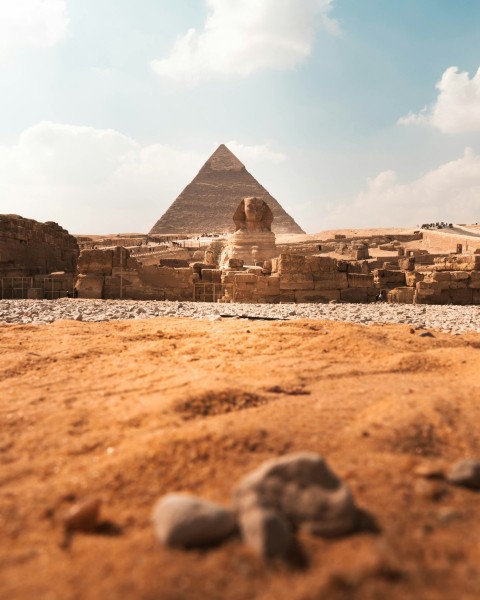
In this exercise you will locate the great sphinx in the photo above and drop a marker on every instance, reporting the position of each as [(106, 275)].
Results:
[(253, 240)]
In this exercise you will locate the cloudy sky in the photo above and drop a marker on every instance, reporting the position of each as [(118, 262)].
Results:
[(351, 113)]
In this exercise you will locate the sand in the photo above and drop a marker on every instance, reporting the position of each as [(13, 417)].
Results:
[(132, 410)]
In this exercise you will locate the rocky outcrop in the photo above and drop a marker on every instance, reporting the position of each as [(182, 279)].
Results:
[(208, 202), (29, 248)]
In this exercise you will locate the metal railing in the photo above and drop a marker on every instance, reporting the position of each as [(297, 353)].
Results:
[(212, 292)]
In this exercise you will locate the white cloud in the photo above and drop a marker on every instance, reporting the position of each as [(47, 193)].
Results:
[(241, 37), (457, 108), (451, 192), (99, 180), (256, 153), (31, 24)]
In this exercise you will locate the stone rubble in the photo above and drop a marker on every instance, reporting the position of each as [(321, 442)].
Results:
[(447, 318)]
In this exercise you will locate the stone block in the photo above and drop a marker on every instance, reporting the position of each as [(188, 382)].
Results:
[(90, 286), (359, 281), (330, 281), (407, 264), (358, 266), (459, 275), (290, 263), (461, 262), (474, 281), (316, 296), (268, 283), (320, 264), (402, 295), (384, 277), (413, 277), (99, 262), (296, 281), (245, 281), (354, 295)]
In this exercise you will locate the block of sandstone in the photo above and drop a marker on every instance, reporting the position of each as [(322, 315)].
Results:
[(356, 280), (458, 262), (187, 521), (296, 281), (316, 296), (298, 488), (289, 263), (474, 280), (99, 262), (90, 286), (333, 280), (465, 473), (320, 264), (401, 295), (267, 532)]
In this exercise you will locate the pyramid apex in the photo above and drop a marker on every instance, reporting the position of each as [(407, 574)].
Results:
[(223, 159)]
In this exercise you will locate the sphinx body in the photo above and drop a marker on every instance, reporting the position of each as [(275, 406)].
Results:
[(253, 240)]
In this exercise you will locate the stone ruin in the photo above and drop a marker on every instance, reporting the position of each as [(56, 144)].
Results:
[(251, 269), (36, 259)]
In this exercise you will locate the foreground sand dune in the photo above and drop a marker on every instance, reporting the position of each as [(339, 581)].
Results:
[(132, 410)]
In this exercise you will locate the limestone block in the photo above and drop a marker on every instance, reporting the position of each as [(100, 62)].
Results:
[(120, 257), (359, 281), (407, 264), (358, 266), (458, 262), (403, 295), (354, 295), (460, 296), (99, 262), (320, 264), (386, 276), (265, 284), (289, 263), (413, 277), (296, 281), (330, 281), (474, 281), (90, 286), (267, 532), (245, 281), (425, 288), (459, 275), (286, 296), (314, 296)]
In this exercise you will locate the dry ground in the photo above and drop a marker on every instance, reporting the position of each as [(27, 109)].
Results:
[(132, 410)]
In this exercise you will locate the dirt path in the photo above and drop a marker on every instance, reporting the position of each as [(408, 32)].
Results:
[(133, 410)]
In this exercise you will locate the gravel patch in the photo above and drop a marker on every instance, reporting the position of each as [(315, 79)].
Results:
[(453, 319)]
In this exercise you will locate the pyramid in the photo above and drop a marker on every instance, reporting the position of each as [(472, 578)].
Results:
[(208, 203)]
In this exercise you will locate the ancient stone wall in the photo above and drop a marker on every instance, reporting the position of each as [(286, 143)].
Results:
[(453, 279), (29, 248)]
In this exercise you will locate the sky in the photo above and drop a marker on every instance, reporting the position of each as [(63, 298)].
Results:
[(351, 113)]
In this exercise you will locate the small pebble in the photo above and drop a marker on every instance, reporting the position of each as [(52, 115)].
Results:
[(465, 473), (83, 516)]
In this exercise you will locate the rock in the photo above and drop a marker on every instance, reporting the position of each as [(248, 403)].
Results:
[(83, 516), (303, 490), (186, 521), (465, 473), (266, 532)]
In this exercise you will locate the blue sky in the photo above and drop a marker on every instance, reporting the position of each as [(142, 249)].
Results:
[(351, 113)]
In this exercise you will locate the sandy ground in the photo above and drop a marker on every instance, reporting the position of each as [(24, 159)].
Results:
[(132, 410)]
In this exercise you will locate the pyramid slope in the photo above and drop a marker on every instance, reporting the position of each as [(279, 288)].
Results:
[(207, 204)]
